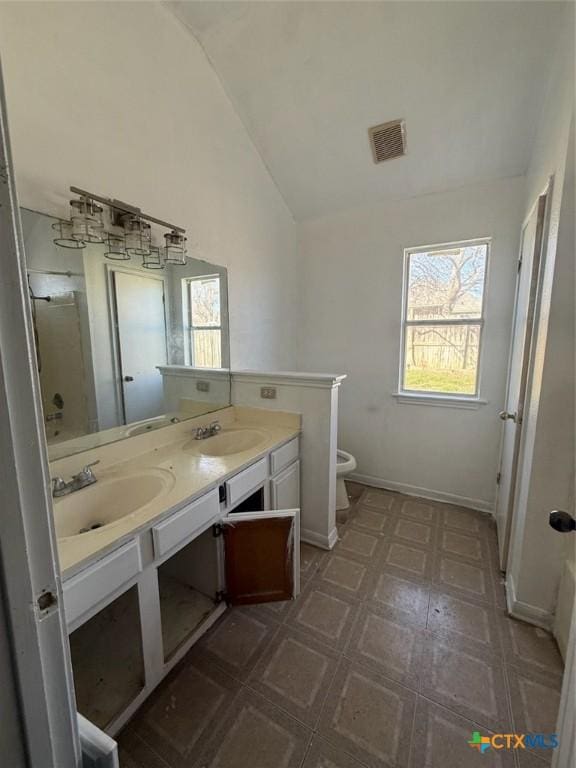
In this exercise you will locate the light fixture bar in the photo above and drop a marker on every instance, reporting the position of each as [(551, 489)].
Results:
[(119, 205)]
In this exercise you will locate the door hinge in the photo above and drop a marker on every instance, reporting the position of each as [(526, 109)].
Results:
[(519, 264), (498, 478), (217, 530), (220, 597)]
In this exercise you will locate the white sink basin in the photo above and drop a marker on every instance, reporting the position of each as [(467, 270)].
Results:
[(228, 442), (108, 501)]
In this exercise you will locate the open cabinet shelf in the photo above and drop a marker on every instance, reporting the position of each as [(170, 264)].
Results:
[(188, 584), (107, 660)]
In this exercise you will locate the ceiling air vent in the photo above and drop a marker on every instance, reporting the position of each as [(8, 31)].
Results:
[(388, 140)]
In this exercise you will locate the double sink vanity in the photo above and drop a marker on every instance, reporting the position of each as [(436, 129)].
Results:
[(163, 532)]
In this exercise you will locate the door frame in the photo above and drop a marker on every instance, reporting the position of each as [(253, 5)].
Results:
[(527, 359), (29, 570), (111, 269)]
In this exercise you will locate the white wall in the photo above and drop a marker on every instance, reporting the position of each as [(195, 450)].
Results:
[(119, 98), (546, 470), (352, 277)]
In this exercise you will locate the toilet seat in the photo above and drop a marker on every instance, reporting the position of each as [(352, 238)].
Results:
[(345, 462)]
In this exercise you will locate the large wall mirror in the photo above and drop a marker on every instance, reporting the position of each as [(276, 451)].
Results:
[(122, 349)]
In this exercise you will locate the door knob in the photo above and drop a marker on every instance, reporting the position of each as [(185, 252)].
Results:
[(505, 415), (128, 378), (562, 521)]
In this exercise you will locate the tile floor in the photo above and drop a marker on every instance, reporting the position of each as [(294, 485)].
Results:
[(396, 651)]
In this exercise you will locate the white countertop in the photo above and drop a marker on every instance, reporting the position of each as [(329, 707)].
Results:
[(167, 449)]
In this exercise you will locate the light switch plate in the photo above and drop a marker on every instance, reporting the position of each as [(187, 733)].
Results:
[(203, 386), (268, 393)]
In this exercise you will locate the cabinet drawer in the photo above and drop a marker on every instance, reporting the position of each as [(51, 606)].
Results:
[(180, 525), (284, 455), (103, 578), (244, 482)]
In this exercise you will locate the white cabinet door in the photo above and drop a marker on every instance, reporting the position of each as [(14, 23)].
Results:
[(261, 556), (285, 488)]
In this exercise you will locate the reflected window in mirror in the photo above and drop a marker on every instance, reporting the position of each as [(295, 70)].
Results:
[(117, 346), (203, 319)]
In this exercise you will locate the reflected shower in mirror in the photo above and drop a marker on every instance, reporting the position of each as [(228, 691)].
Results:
[(122, 349)]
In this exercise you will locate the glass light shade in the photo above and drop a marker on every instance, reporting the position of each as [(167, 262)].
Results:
[(65, 237), (116, 250), (138, 236), (153, 259), (175, 250), (87, 221)]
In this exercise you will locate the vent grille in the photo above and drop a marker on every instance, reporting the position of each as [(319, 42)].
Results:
[(388, 140)]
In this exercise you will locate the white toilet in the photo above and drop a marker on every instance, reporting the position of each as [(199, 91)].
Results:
[(345, 463)]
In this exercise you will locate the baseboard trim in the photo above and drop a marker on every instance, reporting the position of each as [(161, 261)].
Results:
[(425, 493), (318, 540), (524, 611)]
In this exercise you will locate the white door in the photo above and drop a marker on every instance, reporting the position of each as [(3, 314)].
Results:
[(141, 328), (526, 289), (38, 722), (565, 754)]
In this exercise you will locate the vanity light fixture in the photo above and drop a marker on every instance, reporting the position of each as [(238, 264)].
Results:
[(138, 236), (131, 233), (175, 250), (87, 222), (153, 259), (116, 248), (65, 237)]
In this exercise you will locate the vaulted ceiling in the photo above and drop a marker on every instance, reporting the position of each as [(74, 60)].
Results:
[(309, 78)]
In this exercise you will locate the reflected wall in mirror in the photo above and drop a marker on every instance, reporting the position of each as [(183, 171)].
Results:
[(121, 349)]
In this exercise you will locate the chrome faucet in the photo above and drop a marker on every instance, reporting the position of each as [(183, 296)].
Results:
[(84, 478), (212, 429)]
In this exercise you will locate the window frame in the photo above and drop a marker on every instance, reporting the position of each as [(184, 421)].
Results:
[(190, 328), (435, 397)]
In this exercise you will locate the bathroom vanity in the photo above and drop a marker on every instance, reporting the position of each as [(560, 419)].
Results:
[(218, 525)]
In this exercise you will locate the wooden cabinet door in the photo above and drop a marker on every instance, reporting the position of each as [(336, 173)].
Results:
[(260, 561)]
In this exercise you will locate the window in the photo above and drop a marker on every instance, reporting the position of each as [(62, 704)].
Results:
[(203, 320), (443, 318)]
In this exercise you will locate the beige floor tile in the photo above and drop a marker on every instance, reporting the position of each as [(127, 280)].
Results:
[(391, 591), (441, 741), (528, 759), (463, 578), (419, 510), (346, 573), (135, 753), (323, 755), (360, 543), (181, 716), (526, 645), (385, 643), (326, 613), (371, 520), (471, 620), (468, 547), (380, 499), (535, 700), (411, 531), (407, 559), (237, 641), (255, 734), (295, 674), (464, 520), (310, 560), (457, 676), (369, 716)]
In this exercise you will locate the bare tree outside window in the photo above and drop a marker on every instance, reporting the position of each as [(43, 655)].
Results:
[(443, 318), (204, 322)]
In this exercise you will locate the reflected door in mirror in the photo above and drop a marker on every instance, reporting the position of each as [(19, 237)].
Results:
[(141, 327)]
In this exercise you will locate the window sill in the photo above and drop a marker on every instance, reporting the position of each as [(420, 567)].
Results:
[(444, 401)]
